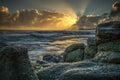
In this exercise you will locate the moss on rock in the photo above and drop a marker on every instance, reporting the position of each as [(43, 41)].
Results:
[(108, 57), (74, 47), (90, 52), (74, 53), (15, 64), (74, 56), (110, 46)]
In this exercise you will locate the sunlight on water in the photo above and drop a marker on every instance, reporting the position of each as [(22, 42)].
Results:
[(43, 42)]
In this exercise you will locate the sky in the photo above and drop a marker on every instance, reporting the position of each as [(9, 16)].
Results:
[(94, 7)]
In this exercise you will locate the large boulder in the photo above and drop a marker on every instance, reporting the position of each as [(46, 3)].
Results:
[(74, 47), (91, 49), (108, 39), (90, 52), (108, 32), (15, 64), (110, 46), (74, 53), (108, 57), (74, 56), (86, 70)]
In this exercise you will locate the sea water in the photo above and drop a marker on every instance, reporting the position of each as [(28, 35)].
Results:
[(45, 42)]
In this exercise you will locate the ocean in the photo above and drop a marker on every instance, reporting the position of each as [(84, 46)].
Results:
[(45, 42)]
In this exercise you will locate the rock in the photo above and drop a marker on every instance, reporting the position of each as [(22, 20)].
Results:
[(108, 32), (41, 62), (85, 70), (52, 58), (74, 47), (15, 64), (110, 46), (53, 72), (2, 44), (74, 56), (74, 53), (108, 57), (90, 52), (108, 39), (38, 66), (91, 42), (91, 49)]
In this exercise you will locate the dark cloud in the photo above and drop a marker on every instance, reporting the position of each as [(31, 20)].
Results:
[(87, 22), (94, 6), (35, 19), (28, 17)]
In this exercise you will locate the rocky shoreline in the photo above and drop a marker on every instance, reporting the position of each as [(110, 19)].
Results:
[(99, 60)]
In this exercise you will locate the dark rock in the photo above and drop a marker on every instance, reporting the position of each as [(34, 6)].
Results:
[(108, 32), (108, 57), (53, 72), (15, 64), (74, 47), (108, 39), (74, 53), (86, 70), (91, 42), (41, 62), (74, 56), (110, 46), (91, 49), (90, 52), (52, 58)]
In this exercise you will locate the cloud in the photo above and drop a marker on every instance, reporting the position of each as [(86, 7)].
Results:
[(60, 6), (4, 16), (4, 9), (36, 19), (87, 22), (28, 17)]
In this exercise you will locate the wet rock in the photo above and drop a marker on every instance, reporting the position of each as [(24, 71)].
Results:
[(108, 32), (41, 62), (51, 58), (108, 39), (15, 64), (86, 70), (53, 72), (108, 57), (36, 67), (74, 53), (90, 52), (74, 47), (110, 46), (91, 49), (74, 56)]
